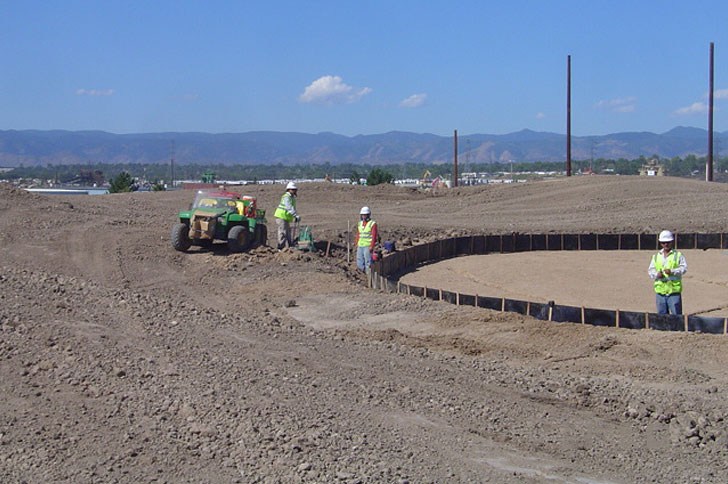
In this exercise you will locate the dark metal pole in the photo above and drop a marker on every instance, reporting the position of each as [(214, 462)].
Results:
[(568, 115), (171, 162), (709, 159), (455, 169)]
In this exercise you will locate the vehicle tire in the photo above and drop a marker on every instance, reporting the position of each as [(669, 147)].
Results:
[(239, 238), (181, 237), (261, 234)]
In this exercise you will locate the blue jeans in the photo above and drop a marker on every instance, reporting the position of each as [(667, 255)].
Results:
[(363, 258), (671, 303)]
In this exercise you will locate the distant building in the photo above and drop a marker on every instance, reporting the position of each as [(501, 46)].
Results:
[(652, 168)]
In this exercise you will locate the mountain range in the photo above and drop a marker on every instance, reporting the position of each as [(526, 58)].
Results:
[(54, 147)]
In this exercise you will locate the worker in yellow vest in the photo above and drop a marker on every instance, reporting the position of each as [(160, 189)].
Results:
[(285, 214), (666, 269), (366, 239)]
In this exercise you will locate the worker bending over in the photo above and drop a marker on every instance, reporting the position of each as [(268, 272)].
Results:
[(285, 214), (666, 269), (366, 239)]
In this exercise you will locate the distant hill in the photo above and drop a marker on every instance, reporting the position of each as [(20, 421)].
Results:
[(33, 147)]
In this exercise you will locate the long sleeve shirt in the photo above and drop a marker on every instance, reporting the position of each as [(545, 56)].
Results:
[(287, 203), (681, 269), (374, 237)]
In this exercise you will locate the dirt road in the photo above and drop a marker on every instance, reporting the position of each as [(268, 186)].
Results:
[(125, 361)]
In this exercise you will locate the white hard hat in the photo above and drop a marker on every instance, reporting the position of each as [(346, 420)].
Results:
[(365, 211), (666, 236), (291, 186)]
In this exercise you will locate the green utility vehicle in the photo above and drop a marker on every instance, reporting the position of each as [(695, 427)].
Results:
[(220, 215)]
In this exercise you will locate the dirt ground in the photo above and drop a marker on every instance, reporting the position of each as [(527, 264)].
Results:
[(122, 360)]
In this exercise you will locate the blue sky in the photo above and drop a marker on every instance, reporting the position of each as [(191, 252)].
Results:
[(360, 67)]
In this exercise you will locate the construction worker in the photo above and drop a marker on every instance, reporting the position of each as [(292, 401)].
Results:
[(366, 239), (285, 214), (666, 269)]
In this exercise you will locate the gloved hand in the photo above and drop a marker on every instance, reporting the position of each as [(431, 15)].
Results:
[(298, 218)]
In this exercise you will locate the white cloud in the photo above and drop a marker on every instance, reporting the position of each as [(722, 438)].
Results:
[(540, 115), (618, 105), (332, 90), (628, 108), (720, 94), (414, 101), (694, 108), (94, 92)]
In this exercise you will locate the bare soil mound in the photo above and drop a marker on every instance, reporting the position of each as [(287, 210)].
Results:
[(125, 361)]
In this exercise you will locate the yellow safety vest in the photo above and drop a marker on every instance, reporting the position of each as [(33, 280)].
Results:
[(281, 212), (672, 283), (365, 233)]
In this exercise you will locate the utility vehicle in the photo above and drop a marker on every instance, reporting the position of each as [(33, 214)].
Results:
[(220, 215)]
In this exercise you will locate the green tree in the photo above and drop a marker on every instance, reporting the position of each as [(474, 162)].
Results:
[(354, 178), (377, 176), (122, 183), (157, 186)]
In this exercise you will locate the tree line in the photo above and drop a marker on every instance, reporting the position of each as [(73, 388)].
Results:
[(158, 174)]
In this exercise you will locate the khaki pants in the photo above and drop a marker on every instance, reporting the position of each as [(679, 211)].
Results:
[(284, 233)]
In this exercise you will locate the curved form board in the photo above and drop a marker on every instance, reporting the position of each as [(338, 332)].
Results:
[(383, 276)]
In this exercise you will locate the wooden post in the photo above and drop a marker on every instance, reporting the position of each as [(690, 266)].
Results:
[(709, 158), (568, 115), (617, 318), (455, 158)]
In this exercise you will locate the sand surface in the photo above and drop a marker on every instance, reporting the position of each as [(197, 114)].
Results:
[(594, 279)]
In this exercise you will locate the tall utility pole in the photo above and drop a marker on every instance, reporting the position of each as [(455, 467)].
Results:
[(709, 159), (171, 161), (455, 168), (568, 115), (468, 164), (591, 160)]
